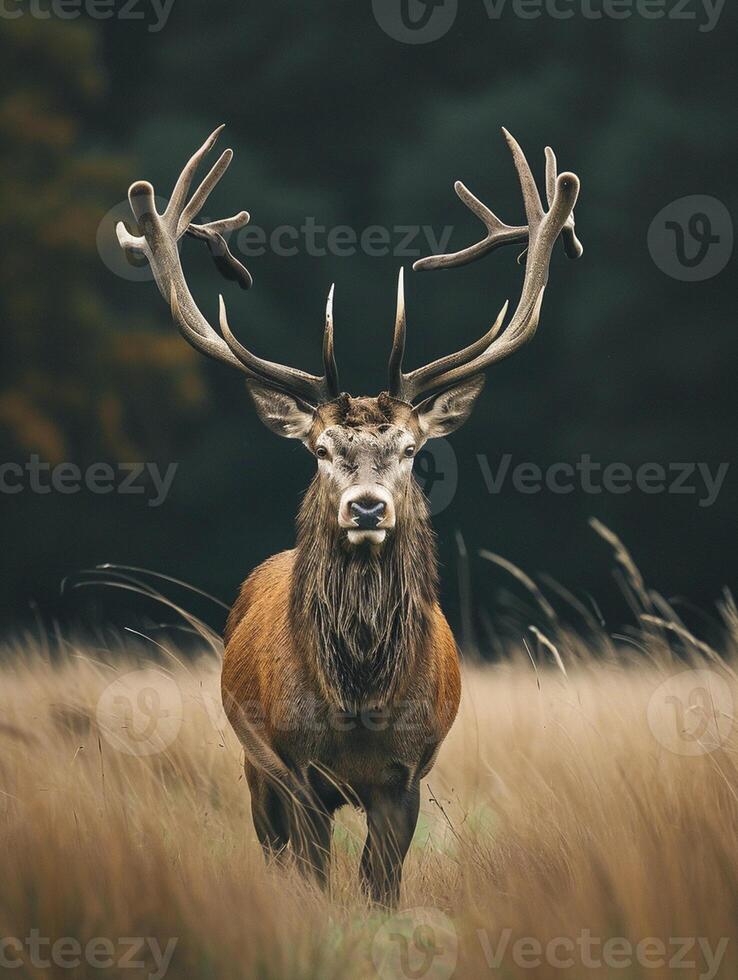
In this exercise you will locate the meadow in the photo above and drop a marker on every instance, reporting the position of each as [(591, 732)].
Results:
[(581, 820)]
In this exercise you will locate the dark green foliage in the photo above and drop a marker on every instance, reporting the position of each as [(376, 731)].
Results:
[(333, 120)]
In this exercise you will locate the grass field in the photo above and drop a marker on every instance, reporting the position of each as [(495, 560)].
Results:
[(582, 820)]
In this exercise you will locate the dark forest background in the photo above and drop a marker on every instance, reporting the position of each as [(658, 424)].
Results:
[(332, 118)]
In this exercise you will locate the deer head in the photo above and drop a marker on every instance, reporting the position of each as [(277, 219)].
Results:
[(364, 447)]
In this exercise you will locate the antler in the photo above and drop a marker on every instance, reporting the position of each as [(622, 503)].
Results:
[(540, 233), (158, 243)]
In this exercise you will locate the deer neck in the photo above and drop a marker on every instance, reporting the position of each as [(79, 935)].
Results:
[(363, 613)]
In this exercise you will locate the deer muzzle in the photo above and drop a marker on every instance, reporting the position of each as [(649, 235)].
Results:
[(367, 513)]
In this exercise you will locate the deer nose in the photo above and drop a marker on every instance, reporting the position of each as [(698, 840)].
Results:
[(366, 515)]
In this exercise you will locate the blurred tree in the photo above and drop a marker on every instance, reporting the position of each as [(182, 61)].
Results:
[(77, 377)]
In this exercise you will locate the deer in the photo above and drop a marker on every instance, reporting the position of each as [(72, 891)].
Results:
[(340, 674)]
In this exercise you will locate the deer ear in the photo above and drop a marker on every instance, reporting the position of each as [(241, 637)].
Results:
[(446, 412), (284, 414)]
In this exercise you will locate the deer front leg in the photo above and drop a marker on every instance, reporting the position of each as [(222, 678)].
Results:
[(310, 828), (269, 814), (391, 816)]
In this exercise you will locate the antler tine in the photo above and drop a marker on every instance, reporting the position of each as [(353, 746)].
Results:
[(498, 234), (531, 197), (199, 198), (572, 246), (541, 232), (329, 356), (225, 260), (158, 242), (552, 171), (226, 225), (309, 387), (396, 377), (182, 186), (403, 385)]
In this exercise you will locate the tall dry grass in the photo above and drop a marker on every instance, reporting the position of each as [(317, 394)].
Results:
[(563, 806)]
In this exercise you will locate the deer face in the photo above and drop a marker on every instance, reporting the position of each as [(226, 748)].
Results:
[(365, 448)]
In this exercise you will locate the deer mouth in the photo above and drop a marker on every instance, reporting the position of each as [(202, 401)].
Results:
[(374, 537)]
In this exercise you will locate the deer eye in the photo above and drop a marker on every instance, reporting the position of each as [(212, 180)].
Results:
[(321, 452), (409, 451)]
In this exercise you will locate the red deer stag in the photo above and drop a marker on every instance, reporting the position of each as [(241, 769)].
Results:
[(341, 674)]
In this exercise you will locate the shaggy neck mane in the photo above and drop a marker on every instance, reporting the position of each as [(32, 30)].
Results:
[(365, 611)]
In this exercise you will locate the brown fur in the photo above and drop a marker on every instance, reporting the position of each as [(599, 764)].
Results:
[(270, 685)]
